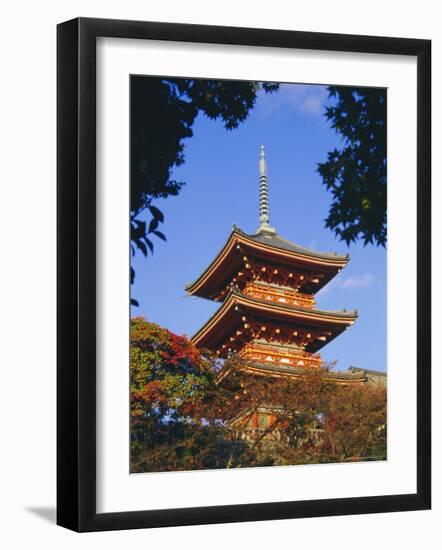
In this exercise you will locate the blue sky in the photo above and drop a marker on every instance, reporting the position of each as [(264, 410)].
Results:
[(222, 183)]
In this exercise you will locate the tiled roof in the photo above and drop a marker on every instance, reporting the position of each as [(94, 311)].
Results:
[(212, 329), (297, 371), (352, 314), (276, 241), (368, 371), (330, 262)]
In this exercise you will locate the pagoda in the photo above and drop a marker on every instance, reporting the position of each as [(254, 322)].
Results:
[(266, 286)]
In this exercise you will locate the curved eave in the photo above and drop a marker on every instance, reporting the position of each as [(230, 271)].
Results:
[(221, 261), (222, 267), (239, 303), (279, 371)]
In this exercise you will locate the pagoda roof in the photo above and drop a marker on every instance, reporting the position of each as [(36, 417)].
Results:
[(368, 371), (229, 314), (266, 246), (276, 241), (269, 369)]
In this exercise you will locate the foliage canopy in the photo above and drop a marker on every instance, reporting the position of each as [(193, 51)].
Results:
[(163, 112), (356, 174), (183, 418)]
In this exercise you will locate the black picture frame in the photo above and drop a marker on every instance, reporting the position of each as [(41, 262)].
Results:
[(76, 271)]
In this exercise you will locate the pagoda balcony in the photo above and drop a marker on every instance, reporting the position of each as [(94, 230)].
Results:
[(279, 295), (279, 356)]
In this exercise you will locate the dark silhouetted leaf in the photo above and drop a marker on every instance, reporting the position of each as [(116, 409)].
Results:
[(149, 244), (153, 225), (142, 247), (160, 235), (156, 213)]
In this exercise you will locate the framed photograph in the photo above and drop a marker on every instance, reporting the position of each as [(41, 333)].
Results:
[(243, 274)]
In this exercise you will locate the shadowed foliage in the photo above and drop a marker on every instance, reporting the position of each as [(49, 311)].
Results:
[(356, 174), (163, 111), (183, 417)]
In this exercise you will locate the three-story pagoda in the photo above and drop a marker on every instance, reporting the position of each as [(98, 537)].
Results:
[(266, 286)]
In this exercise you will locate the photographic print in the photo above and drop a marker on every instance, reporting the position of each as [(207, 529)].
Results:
[(258, 274), (222, 289)]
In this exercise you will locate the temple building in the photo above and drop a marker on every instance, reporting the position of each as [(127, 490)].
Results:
[(266, 286)]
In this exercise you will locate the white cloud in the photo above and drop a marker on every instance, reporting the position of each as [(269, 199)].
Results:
[(302, 98), (358, 281)]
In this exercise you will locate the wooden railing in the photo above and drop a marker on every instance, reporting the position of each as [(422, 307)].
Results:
[(279, 295), (277, 356)]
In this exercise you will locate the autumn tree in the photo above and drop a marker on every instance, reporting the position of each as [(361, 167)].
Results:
[(190, 411), (167, 381), (316, 419), (356, 173), (173, 426), (354, 425)]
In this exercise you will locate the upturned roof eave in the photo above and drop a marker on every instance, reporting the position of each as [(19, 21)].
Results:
[(296, 248), (258, 368), (339, 314), (196, 283), (236, 299), (303, 255)]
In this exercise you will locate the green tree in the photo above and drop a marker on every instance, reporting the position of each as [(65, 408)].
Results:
[(163, 111), (356, 174)]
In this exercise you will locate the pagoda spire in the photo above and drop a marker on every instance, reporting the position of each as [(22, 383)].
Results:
[(264, 218)]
